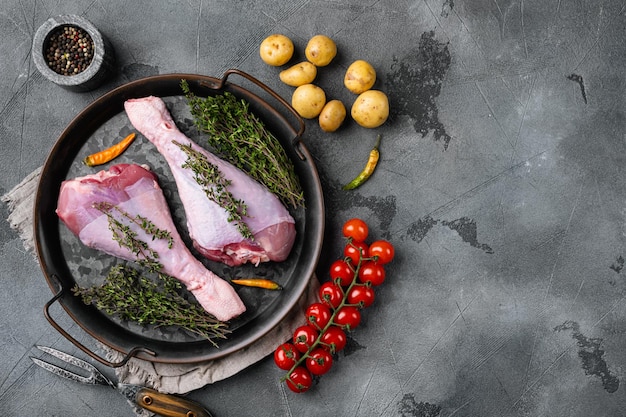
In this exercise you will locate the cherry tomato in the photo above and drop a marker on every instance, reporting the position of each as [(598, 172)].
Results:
[(382, 250), (304, 337), (372, 272), (319, 361), (331, 294), (348, 316), (355, 229), (361, 294), (341, 272), (299, 380), (334, 339), (286, 356), (318, 315), (354, 250)]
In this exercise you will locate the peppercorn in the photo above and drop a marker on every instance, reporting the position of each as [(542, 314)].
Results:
[(69, 50)]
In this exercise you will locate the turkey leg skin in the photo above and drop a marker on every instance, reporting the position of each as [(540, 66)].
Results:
[(272, 226), (133, 190)]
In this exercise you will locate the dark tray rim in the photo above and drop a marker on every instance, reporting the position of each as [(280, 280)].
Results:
[(46, 223)]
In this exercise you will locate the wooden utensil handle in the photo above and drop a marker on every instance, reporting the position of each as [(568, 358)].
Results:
[(169, 405)]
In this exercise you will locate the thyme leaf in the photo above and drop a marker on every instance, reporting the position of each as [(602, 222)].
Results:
[(238, 136), (127, 238), (133, 297), (215, 186), (130, 296)]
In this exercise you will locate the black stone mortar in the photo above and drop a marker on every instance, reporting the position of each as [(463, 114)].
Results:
[(95, 74)]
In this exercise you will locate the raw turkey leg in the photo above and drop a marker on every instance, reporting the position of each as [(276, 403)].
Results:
[(213, 235), (133, 190)]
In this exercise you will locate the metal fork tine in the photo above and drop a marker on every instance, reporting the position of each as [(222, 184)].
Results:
[(72, 360), (62, 372), (95, 376)]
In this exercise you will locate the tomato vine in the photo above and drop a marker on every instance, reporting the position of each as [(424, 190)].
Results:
[(341, 300)]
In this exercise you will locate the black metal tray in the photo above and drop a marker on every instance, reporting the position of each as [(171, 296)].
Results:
[(66, 262)]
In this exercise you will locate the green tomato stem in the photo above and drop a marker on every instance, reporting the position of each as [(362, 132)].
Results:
[(331, 322)]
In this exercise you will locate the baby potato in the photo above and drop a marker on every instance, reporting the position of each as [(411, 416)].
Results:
[(370, 109), (320, 50), (332, 116), (299, 74), (360, 76), (276, 50), (308, 100)]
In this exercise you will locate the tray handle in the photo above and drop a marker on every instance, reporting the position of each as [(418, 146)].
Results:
[(133, 352), (298, 133)]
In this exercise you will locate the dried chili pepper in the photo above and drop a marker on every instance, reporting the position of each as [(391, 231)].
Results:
[(109, 154), (369, 168), (267, 284)]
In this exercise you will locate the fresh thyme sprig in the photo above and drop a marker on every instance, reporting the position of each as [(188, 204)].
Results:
[(215, 186), (132, 297), (127, 238), (238, 136)]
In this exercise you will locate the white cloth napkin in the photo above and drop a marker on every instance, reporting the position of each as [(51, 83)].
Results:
[(168, 378)]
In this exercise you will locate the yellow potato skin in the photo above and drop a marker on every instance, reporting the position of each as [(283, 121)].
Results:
[(308, 100), (320, 50), (276, 50), (332, 116), (370, 109), (299, 74), (360, 76)]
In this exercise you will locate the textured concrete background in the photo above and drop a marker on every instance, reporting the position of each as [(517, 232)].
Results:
[(501, 184)]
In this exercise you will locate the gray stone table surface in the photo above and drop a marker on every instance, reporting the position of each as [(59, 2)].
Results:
[(501, 184)]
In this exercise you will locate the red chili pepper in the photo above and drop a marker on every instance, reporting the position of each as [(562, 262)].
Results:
[(109, 154), (267, 284)]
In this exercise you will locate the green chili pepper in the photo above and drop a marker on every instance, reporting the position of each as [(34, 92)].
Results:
[(368, 170)]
